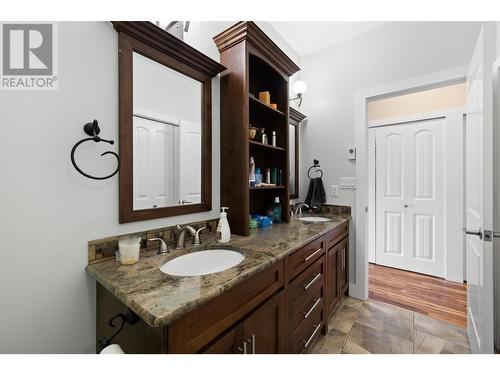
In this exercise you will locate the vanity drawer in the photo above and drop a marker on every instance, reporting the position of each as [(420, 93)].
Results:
[(335, 235), (306, 296), (304, 340), (196, 329), (305, 256)]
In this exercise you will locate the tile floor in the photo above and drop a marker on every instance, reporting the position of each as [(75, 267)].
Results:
[(379, 328)]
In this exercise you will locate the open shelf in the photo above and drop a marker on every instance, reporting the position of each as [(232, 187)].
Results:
[(266, 146), (264, 105), (266, 187)]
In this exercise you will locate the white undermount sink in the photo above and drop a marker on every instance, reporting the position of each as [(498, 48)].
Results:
[(202, 262), (314, 219)]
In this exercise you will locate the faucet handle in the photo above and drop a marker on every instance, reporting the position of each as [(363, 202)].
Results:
[(163, 246), (196, 238)]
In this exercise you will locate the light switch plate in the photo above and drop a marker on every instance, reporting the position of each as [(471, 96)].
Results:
[(351, 152), (334, 190), (348, 182)]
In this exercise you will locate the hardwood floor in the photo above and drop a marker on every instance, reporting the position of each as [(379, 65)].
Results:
[(437, 298)]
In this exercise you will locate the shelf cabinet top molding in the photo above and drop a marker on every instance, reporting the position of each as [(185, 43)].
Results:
[(156, 37), (250, 32), (296, 115)]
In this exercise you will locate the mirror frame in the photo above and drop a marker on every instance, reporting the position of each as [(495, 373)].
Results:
[(295, 119), (158, 45)]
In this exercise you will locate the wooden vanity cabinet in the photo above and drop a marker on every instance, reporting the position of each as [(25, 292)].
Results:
[(282, 309)]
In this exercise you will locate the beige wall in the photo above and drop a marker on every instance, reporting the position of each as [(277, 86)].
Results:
[(423, 101)]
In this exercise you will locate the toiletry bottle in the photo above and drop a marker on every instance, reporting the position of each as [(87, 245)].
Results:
[(251, 177), (258, 177), (223, 231), (264, 139), (274, 173), (277, 210), (273, 139)]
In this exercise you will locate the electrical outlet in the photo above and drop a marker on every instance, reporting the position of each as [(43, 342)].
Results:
[(334, 190)]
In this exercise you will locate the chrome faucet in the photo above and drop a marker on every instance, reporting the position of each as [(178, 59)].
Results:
[(196, 238), (180, 237), (298, 208), (163, 246)]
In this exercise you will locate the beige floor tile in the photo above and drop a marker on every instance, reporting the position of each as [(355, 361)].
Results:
[(344, 318), (353, 302), (333, 342), (390, 319), (378, 341), (426, 327), (351, 347), (429, 344), (376, 327)]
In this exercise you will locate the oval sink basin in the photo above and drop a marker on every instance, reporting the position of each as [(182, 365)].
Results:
[(202, 262), (314, 219)]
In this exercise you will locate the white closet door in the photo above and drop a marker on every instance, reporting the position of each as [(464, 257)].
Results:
[(190, 162), (410, 196), (153, 164)]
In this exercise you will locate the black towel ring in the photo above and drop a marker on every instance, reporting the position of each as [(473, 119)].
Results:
[(92, 129), (315, 165)]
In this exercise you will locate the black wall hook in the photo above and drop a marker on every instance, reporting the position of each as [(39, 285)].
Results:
[(92, 129)]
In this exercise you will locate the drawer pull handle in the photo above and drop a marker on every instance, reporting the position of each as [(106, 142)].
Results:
[(313, 254), (308, 341), (316, 302), (252, 342), (311, 283), (244, 350)]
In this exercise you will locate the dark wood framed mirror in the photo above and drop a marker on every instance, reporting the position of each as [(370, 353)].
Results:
[(295, 119), (165, 131)]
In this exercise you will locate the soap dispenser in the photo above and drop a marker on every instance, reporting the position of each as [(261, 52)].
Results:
[(223, 231)]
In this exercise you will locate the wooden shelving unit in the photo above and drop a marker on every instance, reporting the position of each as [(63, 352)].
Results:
[(254, 63)]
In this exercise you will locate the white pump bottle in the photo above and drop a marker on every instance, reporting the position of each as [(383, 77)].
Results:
[(223, 231)]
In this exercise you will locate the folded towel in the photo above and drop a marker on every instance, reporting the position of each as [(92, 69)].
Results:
[(316, 192)]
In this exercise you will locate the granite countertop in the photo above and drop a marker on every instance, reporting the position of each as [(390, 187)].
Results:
[(160, 299)]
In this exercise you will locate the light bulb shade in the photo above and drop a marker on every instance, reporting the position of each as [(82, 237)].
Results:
[(299, 87)]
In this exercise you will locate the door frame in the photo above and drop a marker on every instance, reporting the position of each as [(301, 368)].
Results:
[(454, 215), (359, 287)]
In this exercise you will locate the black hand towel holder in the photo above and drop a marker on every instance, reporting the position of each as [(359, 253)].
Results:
[(92, 129), (315, 165)]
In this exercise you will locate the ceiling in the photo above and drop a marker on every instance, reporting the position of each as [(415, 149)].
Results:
[(308, 37)]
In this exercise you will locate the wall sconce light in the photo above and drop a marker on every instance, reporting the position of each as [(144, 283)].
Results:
[(299, 88)]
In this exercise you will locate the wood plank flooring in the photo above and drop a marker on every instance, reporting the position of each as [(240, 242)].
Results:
[(437, 298)]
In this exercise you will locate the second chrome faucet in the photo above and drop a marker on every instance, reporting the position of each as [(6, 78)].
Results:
[(180, 238)]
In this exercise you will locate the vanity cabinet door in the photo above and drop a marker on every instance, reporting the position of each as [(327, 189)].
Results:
[(260, 333), (332, 282), (264, 329), (231, 342), (343, 259)]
